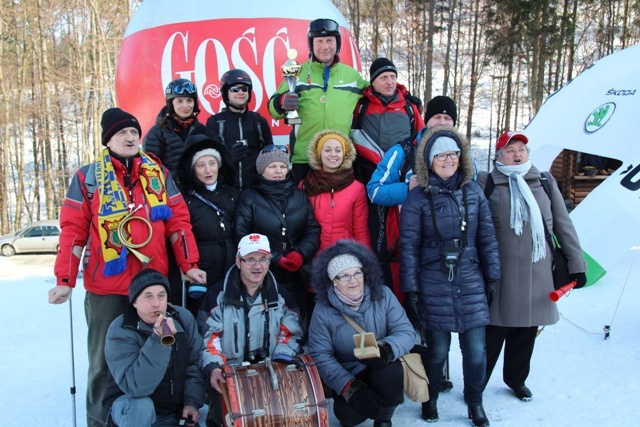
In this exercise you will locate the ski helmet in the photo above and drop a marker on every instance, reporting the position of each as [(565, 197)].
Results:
[(232, 78), (323, 28), (181, 87)]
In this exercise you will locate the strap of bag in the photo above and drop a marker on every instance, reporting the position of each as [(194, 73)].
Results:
[(280, 216), (354, 324), (213, 206)]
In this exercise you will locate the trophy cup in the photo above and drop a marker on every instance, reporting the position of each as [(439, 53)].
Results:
[(290, 71)]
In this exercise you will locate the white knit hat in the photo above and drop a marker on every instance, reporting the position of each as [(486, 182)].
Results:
[(341, 263), (207, 152), (443, 144)]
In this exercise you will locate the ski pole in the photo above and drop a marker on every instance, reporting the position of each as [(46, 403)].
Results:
[(73, 366)]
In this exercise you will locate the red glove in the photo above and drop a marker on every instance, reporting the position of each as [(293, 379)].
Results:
[(291, 261)]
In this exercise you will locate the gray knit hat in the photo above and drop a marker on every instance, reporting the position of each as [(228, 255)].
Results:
[(441, 145), (147, 277), (341, 263), (270, 154)]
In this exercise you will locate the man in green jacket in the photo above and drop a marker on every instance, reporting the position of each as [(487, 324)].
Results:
[(326, 93)]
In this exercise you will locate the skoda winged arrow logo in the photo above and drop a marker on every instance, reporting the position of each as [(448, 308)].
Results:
[(599, 117)]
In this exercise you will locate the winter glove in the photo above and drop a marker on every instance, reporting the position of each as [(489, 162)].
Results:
[(491, 290), (291, 261), (412, 307), (286, 359), (386, 356), (580, 278), (239, 151), (363, 400), (288, 101)]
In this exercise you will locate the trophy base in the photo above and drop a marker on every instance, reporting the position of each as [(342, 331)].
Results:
[(293, 120)]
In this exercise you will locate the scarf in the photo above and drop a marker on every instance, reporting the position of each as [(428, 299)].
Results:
[(185, 123), (318, 181), (114, 206), (353, 303), (451, 184), (521, 198)]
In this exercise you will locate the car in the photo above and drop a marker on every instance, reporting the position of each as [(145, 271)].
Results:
[(41, 236)]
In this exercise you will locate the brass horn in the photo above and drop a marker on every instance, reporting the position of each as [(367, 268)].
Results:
[(133, 246), (166, 339)]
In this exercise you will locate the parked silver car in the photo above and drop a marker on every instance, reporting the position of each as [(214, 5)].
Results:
[(41, 236)]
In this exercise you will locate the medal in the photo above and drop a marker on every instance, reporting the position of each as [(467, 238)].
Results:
[(323, 99)]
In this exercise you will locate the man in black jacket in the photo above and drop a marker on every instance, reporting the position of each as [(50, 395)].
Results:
[(154, 352)]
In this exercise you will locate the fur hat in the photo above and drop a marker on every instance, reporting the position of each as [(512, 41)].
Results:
[(341, 263), (271, 154), (441, 145), (379, 66), (441, 105), (114, 120), (147, 277)]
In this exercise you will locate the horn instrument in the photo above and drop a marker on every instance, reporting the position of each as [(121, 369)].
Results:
[(166, 338), (122, 235)]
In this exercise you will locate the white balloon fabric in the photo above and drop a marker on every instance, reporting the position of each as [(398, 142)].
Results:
[(598, 112)]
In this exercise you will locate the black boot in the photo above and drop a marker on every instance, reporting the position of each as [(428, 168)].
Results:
[(430, 411), (477, 415)]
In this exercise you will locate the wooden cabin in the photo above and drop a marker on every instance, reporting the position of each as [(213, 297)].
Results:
[(578, 173)]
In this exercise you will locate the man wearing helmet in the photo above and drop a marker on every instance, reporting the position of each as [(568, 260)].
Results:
[(177, 119), (243, 131), (326, 93)]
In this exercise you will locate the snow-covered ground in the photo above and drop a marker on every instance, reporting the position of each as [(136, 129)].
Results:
[(578, 378)]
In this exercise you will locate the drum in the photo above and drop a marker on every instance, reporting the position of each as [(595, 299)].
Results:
[(274, 394)]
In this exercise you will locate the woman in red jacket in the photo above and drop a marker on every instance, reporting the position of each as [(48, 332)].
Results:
[(339, 201)]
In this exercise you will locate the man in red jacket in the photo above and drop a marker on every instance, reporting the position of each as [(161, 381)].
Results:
[(121, 208)]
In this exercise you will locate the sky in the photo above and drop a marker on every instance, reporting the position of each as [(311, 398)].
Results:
[(577, 377)]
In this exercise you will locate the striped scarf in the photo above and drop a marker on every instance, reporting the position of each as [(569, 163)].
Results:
[(114, 206)]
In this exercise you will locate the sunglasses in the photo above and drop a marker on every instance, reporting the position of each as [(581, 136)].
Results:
[(273, 147), (183, 88), (237, 89)]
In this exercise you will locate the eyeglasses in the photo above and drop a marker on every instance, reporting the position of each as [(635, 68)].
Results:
[(442, 157), (236, 89), (345, 278), (186, 87), (273, 147), (252, 261)]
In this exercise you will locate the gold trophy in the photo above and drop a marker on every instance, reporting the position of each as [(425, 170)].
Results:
[(290, 71)]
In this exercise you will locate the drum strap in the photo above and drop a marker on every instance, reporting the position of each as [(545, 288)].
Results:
[(265, 313)]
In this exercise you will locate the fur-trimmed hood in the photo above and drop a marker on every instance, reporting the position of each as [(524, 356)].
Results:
[(422, 169), (312, 153), (370, 267), (187, 177)]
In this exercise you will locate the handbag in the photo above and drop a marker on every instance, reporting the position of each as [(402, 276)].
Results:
[(416, 384), (366, 346)]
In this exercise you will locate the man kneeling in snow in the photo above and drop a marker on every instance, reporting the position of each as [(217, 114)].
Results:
[(154, 352)]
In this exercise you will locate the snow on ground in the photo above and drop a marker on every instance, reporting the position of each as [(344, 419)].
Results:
[(578, 377)]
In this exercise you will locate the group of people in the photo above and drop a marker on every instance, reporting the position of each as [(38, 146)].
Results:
[(211, 245)]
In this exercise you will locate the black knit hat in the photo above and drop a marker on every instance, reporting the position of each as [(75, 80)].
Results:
[(147, 277), (114, 120), (379, 66), (441, 105)]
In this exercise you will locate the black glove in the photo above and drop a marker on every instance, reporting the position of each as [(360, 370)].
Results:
[(412, 307), (288, 101), (580, 278), (239, 151), (363, 400), (386, 355), (491, 290)]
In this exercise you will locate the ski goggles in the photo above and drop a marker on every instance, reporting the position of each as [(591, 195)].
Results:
[(275, 147), (184, 88)]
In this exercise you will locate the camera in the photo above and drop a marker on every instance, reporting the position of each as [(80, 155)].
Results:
[(450, 259), (257, 356), (241, 142)]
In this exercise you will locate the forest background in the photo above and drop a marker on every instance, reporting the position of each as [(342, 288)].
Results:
[(498, 59)]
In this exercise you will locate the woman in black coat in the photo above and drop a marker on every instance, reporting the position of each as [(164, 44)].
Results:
[(276, 207), (449, 258), (207, 187), (177, 120)]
